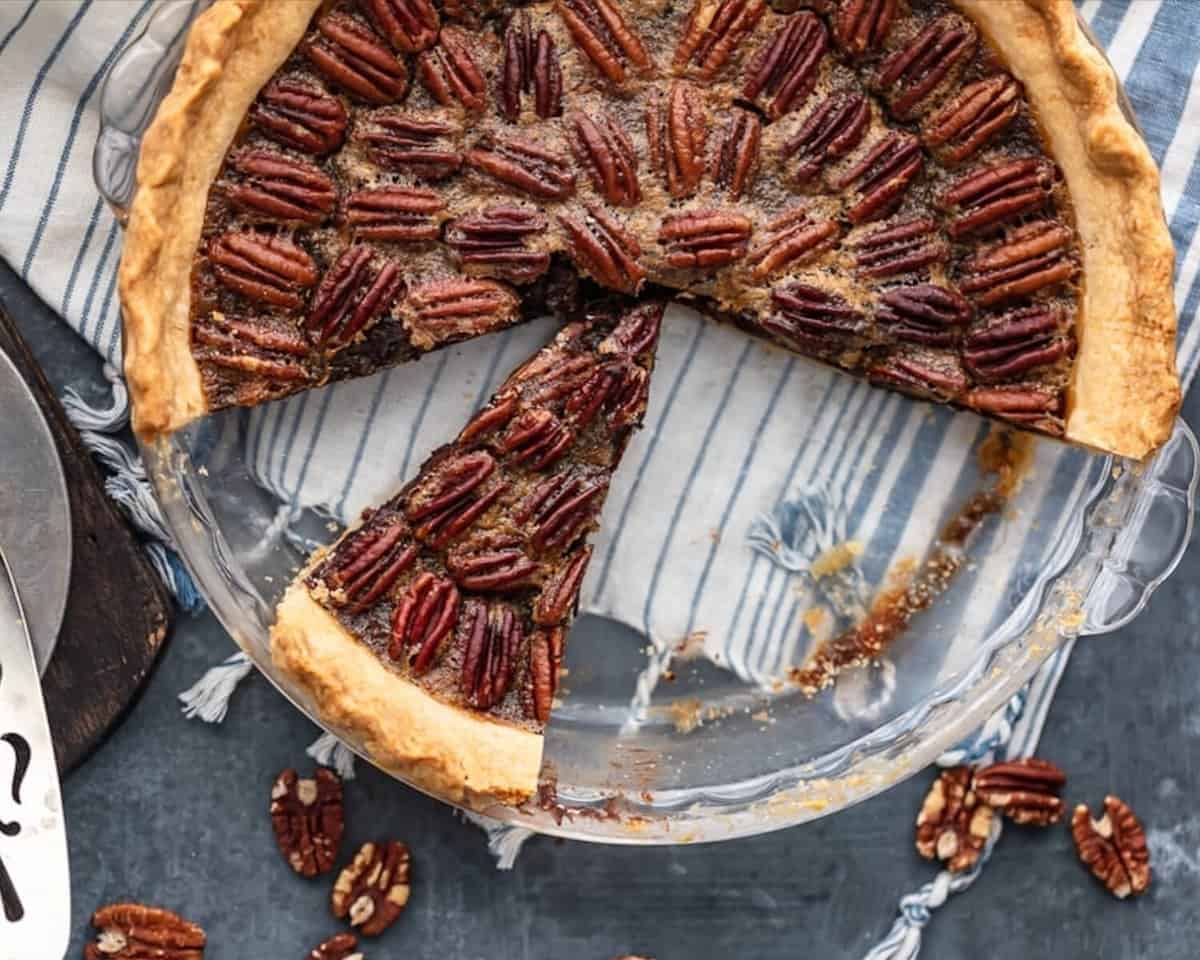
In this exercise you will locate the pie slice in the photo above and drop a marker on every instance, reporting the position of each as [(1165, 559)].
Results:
[(942, 196), (432, 632)]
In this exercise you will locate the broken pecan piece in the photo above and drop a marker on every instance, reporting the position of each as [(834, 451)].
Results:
[(131, 931), (604, 149), (299, 115), (276, 187), (736, 160), (832, 130), (352, 296), (939, 380), (452, 497), (408, 25), (524, 165), (964, 124), (1030, 258), (545, 664), (604, 249), (704, 239), (789, 239), (403, 142), (901, 248), (264, 268), (560, 508), (953, 824), (308, 819), (882, 176), (713, 33), (863, 25), (254, 345), (600, 29), (810, 319), (351, 55), (363, 567), (786, 68), (560, 595), (1031, 405), (1017, 342), (530, 66), (374, 889), (491, 563), (493, 241), (341, 946), (997, 194), (924, 313), (423, 617), (440, 311), (1113, 847), (492, 637), (394, 214), (916, 70), (450, 73), (636, 332), (676, 134), (617, 387), (536, 437), (1026, 790)]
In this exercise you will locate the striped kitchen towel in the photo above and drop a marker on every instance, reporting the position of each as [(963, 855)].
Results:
[(724, 462)]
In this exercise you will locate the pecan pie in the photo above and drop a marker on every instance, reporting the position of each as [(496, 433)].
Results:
[(434, 629), (942, 196)]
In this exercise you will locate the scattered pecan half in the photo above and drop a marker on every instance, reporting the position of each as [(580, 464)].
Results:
[(353, 294), (997, 194), (254, 345), (636, 332), (785, 69), (422, 619), (603, 148), (921, 66), (545, 664), (901, 248), (450, 73), (1017, 342), (408, 25), (956, 131), (452, 496), (560, 594), (1113, 847), (605, 37), (938, 379), (264, 268), (374, 889), (1033, 405), (1030, 258), (810, 319), (924, 313), (789, 239), (271, 186), (536, 438), (131, 931), (560, 508), (308, 820), (620, 388), (491, 562), (492, 637), (862, 25), (1026, 790), (524, 165), (713, 33), (604, 249), (704, 239), (493, 242), (299, 115), (364, 566), (530, 66), (440, 311), (341, 946), (394, 214), (953, 824), (414, 144), (676, 134), (882, 176), (832, 130), (351, 55), (736, 160)]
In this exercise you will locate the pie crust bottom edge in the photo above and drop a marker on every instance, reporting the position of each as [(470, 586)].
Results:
[(447, 751)]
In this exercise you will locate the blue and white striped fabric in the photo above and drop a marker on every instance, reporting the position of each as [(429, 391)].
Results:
[(723, 445)]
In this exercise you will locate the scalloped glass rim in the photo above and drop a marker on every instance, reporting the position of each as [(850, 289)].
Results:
[(1133, 525)]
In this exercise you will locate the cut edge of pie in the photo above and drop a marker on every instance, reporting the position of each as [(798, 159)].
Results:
[(461, 756), (1124, 393)]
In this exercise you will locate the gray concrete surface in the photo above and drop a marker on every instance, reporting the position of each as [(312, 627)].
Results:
[(175, 813)]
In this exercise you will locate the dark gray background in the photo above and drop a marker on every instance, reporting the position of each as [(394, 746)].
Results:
[(174, 813)]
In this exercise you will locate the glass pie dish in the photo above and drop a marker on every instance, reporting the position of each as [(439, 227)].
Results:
[(677, 746)]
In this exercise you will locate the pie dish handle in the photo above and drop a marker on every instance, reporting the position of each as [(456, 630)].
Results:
[(1152, 525), (135, 85)]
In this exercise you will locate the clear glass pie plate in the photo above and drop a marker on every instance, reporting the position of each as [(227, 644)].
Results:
[(661, 741)]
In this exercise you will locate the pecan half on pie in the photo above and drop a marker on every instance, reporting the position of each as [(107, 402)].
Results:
[(941, 196)]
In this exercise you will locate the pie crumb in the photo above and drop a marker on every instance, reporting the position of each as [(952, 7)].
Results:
[(836, 558)]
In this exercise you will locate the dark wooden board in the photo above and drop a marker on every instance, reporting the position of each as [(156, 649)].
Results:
[(118, 612)]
